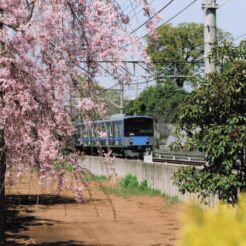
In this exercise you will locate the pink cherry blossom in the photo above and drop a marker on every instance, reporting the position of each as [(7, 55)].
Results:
[(86, 104), (50, 53), (102, 134)]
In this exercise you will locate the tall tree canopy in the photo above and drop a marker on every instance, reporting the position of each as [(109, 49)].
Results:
[(213, 121), (160, 101), (179, 51)]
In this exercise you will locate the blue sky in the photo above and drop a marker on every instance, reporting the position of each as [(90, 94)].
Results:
[(231, 14), (231, 17)]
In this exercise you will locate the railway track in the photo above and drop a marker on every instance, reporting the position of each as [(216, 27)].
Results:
[(178, 158)]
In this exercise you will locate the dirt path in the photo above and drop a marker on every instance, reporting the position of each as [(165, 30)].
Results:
[(60, 221)]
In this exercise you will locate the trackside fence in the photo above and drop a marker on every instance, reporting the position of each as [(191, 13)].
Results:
[(188, 157), (158, 175)]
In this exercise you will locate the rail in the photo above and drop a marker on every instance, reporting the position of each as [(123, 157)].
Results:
[(189, 158)]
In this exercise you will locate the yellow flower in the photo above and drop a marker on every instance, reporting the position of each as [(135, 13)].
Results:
[(222, 226)]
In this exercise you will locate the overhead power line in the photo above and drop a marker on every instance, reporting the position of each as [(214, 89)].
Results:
[(158, 12), (224, 3), (181, 11), (167, 21), (129, 5), (144, 62), (141, 10), (241, 36)]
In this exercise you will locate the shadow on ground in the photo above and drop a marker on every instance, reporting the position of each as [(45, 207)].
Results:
[(68, 243), (13, 200), (19, 218)]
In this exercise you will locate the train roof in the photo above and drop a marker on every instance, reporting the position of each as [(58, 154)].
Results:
[(120, 117), (123, 116)]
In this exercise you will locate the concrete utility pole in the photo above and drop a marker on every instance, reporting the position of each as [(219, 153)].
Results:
[(209, 7)]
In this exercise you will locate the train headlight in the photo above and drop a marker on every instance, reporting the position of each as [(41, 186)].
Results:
[(130, 141), (147, 141)]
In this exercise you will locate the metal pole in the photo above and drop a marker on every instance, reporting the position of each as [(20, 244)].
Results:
[(209, 7), (121, 97), (2, 158)]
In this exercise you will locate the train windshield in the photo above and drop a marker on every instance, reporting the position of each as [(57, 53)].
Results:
[(138, 127)]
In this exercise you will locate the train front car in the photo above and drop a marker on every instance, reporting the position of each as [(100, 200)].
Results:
[(138, 135)]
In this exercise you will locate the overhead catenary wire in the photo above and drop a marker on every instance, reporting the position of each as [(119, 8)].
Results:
[(158, 12), (141, 10), (133, 10), (233, 39), (177, 14), (239, 37), (167, 21), (144, 62), (224, 3), (129, 5), (170, 19)]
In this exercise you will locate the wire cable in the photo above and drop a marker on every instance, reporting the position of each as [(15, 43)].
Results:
[(141, 10), (239, 37), (181, 11), (224, 3), (166, 22), (158, 12)]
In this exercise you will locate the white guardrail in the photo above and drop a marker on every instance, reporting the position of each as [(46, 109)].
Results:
[(192, 158)]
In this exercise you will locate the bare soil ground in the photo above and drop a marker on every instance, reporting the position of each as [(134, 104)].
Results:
[(47, 219)]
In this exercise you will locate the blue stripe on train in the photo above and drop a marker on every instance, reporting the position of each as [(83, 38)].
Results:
[(110, 139), (139, 140)]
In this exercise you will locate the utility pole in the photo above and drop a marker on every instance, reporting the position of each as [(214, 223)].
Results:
[(121, 97), (209, 7), (2, 156)]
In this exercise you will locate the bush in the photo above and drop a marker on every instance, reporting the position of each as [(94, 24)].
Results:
[(129, 186), (143, 185), (223, 226), (129, 181)]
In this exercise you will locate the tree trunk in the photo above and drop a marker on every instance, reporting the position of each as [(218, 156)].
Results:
[(2, 156), (2, 188)]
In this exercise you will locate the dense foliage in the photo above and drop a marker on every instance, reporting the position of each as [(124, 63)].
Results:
[(212, 120), (223, 226), (160, 101), (179, 51)]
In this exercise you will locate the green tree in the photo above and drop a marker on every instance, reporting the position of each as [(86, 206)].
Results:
[(160, 101), (213, 118), (184, 46)]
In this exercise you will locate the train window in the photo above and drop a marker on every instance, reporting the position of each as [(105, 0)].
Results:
[(116, 129), (93, 129), (113, 129), (109, 129), (103, 127), (138, 127), (84, 132)]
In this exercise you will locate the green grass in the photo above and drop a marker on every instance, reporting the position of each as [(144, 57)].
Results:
[(58, 165), (129, 186), (95, 178)]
